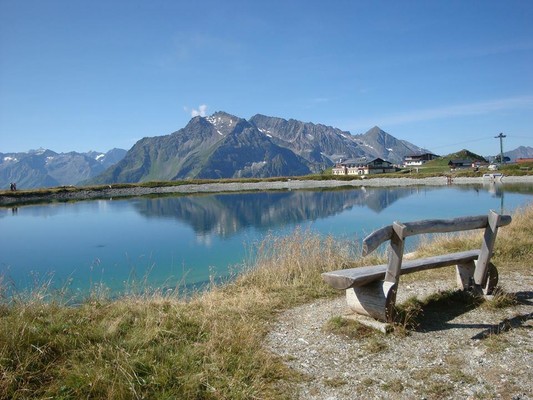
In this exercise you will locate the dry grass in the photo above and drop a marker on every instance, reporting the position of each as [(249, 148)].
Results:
[(208, 347), (296, 262)]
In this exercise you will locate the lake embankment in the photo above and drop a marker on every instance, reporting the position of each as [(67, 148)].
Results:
[(73, 193)]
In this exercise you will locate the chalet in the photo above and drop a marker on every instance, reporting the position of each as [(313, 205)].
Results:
[(455, 164), (363, 167), (417, 160), (349, 167)]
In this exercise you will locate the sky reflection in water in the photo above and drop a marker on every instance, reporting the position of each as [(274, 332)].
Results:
[(188, 238)]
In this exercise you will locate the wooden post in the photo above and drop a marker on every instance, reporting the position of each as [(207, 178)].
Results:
[(395, 253), (489, 238)]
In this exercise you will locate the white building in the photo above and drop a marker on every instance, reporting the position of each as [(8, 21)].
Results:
[(418, 159), (362, 167)]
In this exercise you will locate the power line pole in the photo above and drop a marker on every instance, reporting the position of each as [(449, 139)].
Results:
[(501, 136)]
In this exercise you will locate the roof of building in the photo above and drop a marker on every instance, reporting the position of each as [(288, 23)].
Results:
[(421, 155)]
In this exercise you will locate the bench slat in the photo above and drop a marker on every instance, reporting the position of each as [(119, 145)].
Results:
[(376, 238), (450, 225), (353, 277)]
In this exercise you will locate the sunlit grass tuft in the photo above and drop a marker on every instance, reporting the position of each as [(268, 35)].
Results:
[(294, 263)]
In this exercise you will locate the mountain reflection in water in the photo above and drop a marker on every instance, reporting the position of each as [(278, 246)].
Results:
[(226, 214)]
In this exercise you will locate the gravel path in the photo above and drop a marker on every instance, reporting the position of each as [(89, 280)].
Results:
[(291, 184), (454, 357)]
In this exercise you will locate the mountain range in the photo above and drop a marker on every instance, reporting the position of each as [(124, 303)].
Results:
[(226, 146), (217, 146), (46, 168)]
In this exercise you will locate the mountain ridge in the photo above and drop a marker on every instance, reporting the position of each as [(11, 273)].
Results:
[(220, 145), (223, 145), (47, 168)]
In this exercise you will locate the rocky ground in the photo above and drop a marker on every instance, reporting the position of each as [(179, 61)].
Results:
[(460, 354)]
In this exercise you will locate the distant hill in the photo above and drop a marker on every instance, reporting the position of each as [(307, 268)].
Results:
[(519, 152), (226, 146), (466, 155), (46, 168), (460, 155)]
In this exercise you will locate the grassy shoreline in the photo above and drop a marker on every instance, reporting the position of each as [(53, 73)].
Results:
[(72, 193), (206, 347)]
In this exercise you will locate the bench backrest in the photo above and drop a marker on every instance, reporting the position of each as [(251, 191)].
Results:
[(398, 231)]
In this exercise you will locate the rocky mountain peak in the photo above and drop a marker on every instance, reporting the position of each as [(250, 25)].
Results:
[(223, 122), (376, 131)]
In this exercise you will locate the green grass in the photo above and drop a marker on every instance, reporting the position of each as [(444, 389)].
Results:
[(209, 346), (350, 329)]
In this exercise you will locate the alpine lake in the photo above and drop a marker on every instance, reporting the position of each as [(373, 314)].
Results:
[(187, 241)]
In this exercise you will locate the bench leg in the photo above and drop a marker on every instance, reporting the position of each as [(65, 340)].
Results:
[(465, 275), (376, 300), (465, 278), (492, 279)]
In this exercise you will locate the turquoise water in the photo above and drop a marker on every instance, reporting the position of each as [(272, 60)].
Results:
[(187, 239)]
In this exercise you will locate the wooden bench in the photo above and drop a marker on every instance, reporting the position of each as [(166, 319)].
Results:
[(372, 290)]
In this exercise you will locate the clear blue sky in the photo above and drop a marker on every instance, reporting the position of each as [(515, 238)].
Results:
[(92, 75)]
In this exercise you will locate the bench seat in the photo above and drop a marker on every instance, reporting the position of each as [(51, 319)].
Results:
[(371, 290), (360, 276)]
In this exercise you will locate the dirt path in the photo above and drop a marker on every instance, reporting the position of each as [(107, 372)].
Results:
[(457, 355)]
